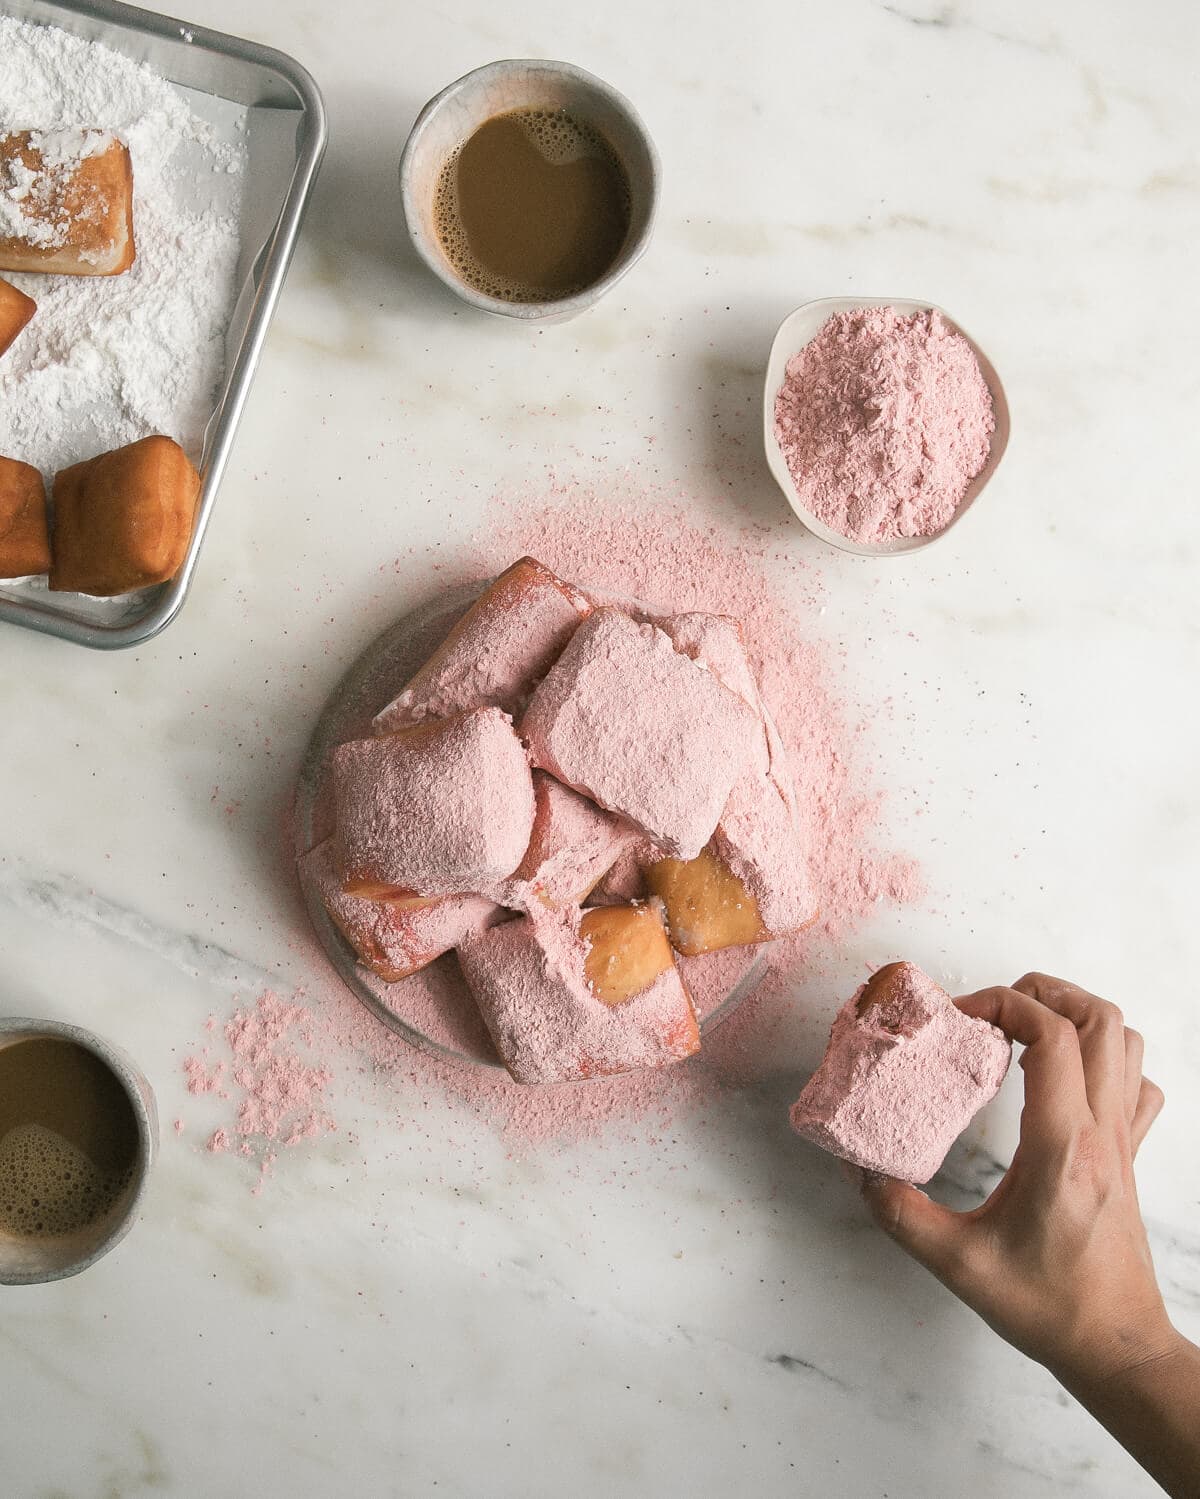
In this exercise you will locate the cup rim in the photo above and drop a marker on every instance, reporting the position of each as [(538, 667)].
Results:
[(560, 308), (144, 1114)]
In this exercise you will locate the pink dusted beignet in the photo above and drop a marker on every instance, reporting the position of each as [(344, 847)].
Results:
[(567, 997), (391, 938), (497, 652), (640, 728), (573, 844), (445, 808), (904, 1074), (717, 641), (625, 882)]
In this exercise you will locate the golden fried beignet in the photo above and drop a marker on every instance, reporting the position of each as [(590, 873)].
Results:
[(123, 520), (24, 531), (708, 907), (627, 950), (66, 203), (15, 311)]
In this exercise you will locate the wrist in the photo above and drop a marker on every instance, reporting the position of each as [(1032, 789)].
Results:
[(1121, 1359)]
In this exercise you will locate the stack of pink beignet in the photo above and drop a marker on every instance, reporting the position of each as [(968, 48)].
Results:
[(551, 746)]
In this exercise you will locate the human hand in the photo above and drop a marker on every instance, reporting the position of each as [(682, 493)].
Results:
[(1056, 1260)]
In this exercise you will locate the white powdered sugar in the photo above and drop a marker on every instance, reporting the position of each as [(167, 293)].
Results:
[(109, 359)]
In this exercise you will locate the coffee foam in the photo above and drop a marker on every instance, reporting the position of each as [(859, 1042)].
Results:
[(49, 1187), (560, 138)]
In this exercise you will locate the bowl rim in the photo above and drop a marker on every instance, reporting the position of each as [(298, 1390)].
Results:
[(811, 316), (561, 308)]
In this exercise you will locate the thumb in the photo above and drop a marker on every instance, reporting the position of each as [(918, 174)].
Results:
[(928, 1231)]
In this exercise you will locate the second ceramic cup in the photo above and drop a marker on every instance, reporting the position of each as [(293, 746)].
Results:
[(96, 1081), (460, 109)]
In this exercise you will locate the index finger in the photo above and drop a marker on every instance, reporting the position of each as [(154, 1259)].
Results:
[(1052, 1062)]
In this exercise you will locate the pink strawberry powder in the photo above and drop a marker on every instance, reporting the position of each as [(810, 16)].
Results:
[(281, 1095), (883, 421)]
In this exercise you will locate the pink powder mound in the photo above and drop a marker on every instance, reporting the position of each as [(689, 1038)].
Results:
[(641, 729), (496, 652), (392, 940), (549, 1026), (574, 842), (444, 809), (905, 1073), (884, 420)]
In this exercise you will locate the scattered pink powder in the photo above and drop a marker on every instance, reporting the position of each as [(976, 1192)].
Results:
[(496, 652), (199, 1078), (441, 810), (281, 1095), (641, 729), (905, 1073), (884, 420)]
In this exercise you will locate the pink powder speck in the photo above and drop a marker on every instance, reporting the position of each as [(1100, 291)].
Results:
[(883, 420), (199, 1078)]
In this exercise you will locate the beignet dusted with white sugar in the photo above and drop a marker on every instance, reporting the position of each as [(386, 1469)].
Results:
[(904, 1074), (24, 526), (66, 203)]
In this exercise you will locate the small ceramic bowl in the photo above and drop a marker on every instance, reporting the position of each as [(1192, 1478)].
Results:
[(458, 111), (798, 329)]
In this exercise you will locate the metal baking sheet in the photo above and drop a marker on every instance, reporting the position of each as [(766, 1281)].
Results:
[(269, 104)]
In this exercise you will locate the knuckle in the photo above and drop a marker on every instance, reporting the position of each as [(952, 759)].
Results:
[(1059, 1031), (1134, 1039), (1153, 1095)]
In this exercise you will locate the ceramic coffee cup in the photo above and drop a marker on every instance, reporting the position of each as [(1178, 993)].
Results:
[(460, 109), (29, 1260)]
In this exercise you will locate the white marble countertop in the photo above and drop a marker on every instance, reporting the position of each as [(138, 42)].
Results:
[(411, 1306)]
